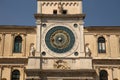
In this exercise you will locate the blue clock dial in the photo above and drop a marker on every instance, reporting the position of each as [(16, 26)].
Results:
[(59, 39)]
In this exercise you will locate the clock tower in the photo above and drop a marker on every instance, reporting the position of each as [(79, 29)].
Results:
[(60, 51)]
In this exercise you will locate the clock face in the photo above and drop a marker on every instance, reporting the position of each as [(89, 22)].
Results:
[(59, 39)]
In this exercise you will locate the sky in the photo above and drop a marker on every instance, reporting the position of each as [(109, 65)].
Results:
[(98, 12)]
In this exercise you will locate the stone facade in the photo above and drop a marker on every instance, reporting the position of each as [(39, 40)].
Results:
[(69, 52), (109, 61)]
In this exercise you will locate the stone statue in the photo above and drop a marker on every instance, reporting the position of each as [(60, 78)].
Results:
[(87, 50), (32, 49), (60, 7)]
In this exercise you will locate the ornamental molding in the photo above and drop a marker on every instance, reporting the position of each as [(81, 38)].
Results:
[(77, 16), (59, 0), (62, 3)]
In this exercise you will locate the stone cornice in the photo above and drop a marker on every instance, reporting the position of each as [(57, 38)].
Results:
[(12, 65), (13, 60), (106, 61), (16, 27), (78, 16), (99, 33), (92, 28), (67, 73), (73, 58)]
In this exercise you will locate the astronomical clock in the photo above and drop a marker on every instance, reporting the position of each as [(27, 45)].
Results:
[(60, 40)]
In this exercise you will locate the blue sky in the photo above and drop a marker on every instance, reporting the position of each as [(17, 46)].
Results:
[(98, 12), (102, 12)]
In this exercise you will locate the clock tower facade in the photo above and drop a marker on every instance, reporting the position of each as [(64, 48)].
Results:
[(60, 51)]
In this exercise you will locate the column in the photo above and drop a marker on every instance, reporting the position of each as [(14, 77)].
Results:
[(119, 73), (9, 72), (118, 44), (12, 44), (82, 50), (97, 71), (110, 73), (95, 46), (0, 72), (80, 6), (23, 73), (24, 44), (38, 42), (108, 50), (39, 6), (2, 45), (22, 76), (10, 67)]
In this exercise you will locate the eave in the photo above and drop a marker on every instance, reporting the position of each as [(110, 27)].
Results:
[(92, 28), (16, 27)]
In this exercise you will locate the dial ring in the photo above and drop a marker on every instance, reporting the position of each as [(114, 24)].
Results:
[(60, 39)]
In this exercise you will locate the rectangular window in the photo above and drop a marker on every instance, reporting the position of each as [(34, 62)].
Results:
[(54, 11), (101, 48), (64, 12)]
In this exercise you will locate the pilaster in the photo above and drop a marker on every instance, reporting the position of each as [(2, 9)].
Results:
[(0, 72), (110, 73), (3, 42), (38, 35), (95, 46), (97, 71), (82, 48), (39, 6), (24, 44), (0, 46), (108, 46), (119, 72), (81, 8), (118, 44), (9, 72), (12, 44), (23, 72)]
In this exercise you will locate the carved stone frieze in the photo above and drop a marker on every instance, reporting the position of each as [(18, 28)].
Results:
[(61, 64), (106, 61), (57, 3)]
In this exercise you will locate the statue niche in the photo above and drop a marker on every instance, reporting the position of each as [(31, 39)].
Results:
[(32, 49), (87, 50)]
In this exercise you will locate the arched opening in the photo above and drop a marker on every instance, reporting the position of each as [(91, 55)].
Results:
[(15, 75), (103, 75)]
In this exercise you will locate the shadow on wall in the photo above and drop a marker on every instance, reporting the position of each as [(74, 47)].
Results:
[(3, 79)]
